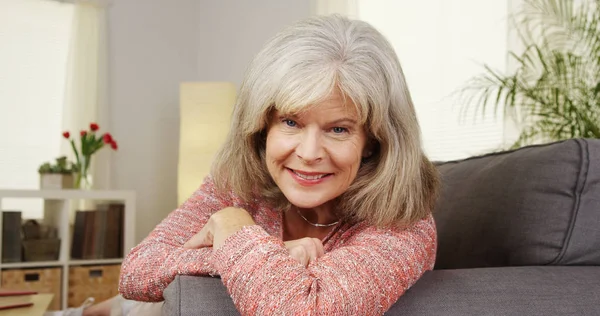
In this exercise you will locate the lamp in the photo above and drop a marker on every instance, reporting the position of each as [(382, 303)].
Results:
[(205, 111)]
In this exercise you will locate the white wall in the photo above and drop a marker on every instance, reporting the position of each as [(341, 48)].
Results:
[(233, 31), (153, 46)]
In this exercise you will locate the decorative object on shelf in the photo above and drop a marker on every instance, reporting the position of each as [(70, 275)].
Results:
[(554, 88), (90, 143), (58, 175), (40, 242)]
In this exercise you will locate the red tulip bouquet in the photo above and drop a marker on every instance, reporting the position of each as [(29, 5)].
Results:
[(90, 142)]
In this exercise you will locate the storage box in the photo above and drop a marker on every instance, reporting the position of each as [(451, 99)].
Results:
[(47, 280), (41, 249), (100, 282)]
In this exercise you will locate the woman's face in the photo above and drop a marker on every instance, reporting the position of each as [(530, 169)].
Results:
[(313, 157)]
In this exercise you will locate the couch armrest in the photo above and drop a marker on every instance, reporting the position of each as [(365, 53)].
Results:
[(197, 296), (536, 290)]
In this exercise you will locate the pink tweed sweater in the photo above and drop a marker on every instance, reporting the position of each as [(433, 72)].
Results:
[(363, 272)]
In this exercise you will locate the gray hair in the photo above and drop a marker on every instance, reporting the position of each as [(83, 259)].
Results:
[(301, 66)]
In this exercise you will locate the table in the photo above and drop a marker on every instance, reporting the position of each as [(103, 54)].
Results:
[(40, 305)]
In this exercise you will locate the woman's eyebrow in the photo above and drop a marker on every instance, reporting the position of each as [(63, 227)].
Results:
[(288, 115), (344, 120)]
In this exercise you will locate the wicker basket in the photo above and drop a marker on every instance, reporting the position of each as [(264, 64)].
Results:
[(41, 280), (100, 282), (41, 249)]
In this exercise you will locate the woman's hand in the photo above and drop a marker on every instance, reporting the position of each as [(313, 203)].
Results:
[(305, 250), (220, 225), (227, 221)]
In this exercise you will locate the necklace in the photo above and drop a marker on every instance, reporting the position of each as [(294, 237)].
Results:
[(316, 224)]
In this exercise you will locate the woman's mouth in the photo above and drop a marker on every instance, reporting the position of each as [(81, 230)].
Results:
[(304, 177)]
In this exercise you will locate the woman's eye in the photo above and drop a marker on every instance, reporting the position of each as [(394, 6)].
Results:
[(289, 123), (339, 130)]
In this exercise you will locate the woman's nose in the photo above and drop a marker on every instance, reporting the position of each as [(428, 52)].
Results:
[(310, 149)]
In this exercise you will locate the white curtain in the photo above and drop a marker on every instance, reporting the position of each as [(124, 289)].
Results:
[(86, 86), (34, 41)]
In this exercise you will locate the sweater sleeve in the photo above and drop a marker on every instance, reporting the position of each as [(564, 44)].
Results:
[(364, 276), (153, 264)]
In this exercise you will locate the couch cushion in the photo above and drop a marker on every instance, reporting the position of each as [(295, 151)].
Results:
[(548, 290), (537, 205)]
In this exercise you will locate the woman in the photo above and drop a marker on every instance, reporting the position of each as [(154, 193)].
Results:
[(320, 200)]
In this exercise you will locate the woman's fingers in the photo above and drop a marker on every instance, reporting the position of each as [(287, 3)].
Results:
[(305, 250), (219, 226), (299, 254), (202, 239), (318, 247)]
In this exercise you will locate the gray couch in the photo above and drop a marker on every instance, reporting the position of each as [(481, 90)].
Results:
[(519, 234)]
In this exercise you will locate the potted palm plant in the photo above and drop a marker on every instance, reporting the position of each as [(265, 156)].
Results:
[(554, 89)]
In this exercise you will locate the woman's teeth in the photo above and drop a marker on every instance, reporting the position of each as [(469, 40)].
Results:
[(307, 177)]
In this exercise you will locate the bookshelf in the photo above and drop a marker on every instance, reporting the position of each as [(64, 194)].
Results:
[(58, 212)]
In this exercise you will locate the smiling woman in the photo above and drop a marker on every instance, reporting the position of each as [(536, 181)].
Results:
[(320, 199)]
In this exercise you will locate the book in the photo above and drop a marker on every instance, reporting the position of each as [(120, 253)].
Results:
[(11, 236), (15, 299), (89, 235), (113, 243), (99, 234), (10, 305), (78, 235), (85, 230), (9, 292)]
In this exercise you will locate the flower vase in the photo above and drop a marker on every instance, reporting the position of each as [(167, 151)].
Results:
[(84, 177)]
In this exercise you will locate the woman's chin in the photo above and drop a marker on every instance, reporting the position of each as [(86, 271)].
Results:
[(305, 202)]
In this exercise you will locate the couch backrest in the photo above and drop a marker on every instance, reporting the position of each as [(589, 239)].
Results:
[(537, 205)]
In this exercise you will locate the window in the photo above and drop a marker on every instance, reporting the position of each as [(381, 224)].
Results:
[(441, 44), (34, 36)]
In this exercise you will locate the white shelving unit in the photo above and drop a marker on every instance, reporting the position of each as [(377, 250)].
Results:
[(57, 211)]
